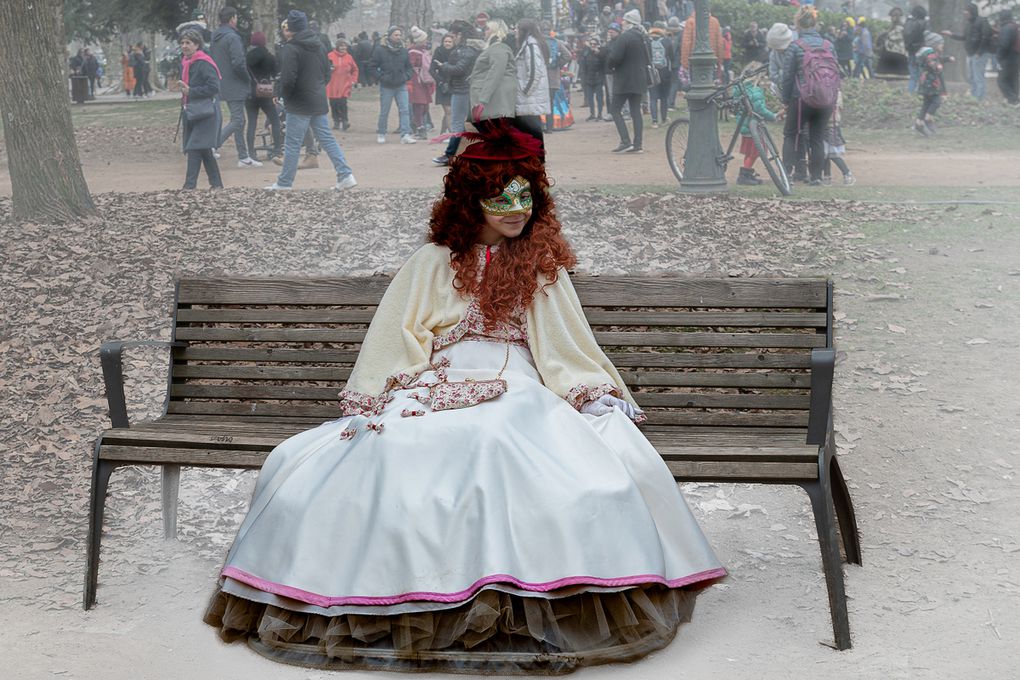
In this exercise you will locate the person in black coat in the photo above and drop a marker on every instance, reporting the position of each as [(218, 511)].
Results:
[(456, 72), (263, 69), (141, 70), (90, 68), (392, 66), (753, 42), (200, 82), (1009, 58), (628, 62), (362, 55), (592, 74)]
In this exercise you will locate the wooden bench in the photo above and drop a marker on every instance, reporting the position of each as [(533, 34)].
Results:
[(735, 376)]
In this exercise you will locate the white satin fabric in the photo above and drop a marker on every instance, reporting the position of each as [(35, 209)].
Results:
[(435, 506)]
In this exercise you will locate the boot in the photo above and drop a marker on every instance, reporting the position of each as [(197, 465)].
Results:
[(748, 178), (309, 161)]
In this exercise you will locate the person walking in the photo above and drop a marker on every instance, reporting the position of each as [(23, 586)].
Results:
[(978, 43), (532, 80), (90, 69), (421, 85), (493, 80), (811, 66), (262, 67), (456, 71), (863, 49), (441, 55), (592, 74), (304, 71), (658, 93), (931, 84), (235, 87), (1008, 54), (392, 67), (140, 69), (628, 60), (341, 81), (913, 40), (200, 87)]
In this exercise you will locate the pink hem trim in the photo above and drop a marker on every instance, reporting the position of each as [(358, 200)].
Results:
[(467, 593)]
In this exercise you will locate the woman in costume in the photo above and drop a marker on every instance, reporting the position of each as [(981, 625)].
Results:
[(486, 503)]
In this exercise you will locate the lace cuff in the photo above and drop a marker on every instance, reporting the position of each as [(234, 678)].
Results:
[(582, 394)]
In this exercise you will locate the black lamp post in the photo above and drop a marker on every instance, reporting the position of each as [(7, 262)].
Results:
[(702, 173)]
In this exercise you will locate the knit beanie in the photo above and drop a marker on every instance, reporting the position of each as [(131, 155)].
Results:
[(297, 21), (258, 39), (779, 37), (632, 17), (933, 39), (391, 30), (418, 35)]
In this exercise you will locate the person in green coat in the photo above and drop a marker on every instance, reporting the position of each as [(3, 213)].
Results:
[(756, 95), (493, 79)]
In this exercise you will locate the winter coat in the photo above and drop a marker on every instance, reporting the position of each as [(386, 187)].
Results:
[(421, 84), (261, 66), (753, 43), (592, 67), (1007, 38), (977, 34), (532, 80), (793, 61), (440, 56), (930, 82), (228, 53), (304, 71), (494, 82), (715, 40), (757, 97), (776, 59), (627, 61), (844, 45), (913, 34), (391, 65), (344, 75), (90, 66), (864, 47), (203, 83), (458, 69)]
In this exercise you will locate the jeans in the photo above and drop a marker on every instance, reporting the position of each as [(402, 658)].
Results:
[(915, 73), (658, 96), (976, 66), (929, 105), (633, 102), (863, 62), (266, 105), (235, 126), (593, 95), (817, 122), (386, 97), (338, 107), (297, 126), (196, 158), (1009, 70), (460, 106)]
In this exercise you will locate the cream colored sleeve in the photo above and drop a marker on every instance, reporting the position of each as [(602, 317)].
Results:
[(398, 344), (568, 358)]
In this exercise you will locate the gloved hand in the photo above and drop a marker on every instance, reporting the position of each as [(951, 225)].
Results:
[(606, 403), (476, 113)]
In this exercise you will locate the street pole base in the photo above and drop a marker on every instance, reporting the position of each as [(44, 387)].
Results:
[(704, 185)]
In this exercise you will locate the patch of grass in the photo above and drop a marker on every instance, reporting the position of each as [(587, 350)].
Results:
[(130, 114)]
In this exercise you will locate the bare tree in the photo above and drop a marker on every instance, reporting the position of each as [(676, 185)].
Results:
[(212, 12), (264, 18), (407, 13), (947, 15), (46, 177)]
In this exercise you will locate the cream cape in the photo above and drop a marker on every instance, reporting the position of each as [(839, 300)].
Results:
[(421, 304)]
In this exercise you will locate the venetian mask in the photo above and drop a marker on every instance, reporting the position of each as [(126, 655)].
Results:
[(515, 199)]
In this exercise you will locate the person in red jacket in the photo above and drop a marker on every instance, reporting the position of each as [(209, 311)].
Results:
[(341, 81)]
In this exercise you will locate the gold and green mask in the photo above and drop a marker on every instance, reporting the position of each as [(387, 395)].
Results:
[(515, 199)]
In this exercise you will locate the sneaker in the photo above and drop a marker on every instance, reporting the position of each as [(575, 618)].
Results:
[(309, 161), (346, 126), (655, 125), (216, 154), (827, 181), (441, 161), (635, 149), (347, 182), (921, 129), (849, 179), (248, 163), (590, 119), (381, 139), (278, 160), (408, 139), (276, 187), (931, 127), (624, 146), (815, 183)]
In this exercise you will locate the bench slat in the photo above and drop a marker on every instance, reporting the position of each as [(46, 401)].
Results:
[(336, 374), (249, 409), (311, 356), (275, 315), (183, 456), (741, 470), (607, 291)]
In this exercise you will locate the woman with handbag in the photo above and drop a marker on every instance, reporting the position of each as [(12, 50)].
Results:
[(263, 69), (440, 56), (200, 90), (486, 503)]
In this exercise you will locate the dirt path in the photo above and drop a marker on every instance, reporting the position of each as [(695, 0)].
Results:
[(145, 159)]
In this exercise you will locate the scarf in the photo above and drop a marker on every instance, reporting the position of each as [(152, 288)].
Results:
[(199, 55)]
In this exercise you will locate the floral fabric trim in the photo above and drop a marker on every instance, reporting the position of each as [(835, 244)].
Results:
[(582, 394), (473, 324)]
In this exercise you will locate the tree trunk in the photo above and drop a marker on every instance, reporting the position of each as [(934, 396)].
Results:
[(265, 18), (408, 13), (212, 12), (42, 155), (947, 15)]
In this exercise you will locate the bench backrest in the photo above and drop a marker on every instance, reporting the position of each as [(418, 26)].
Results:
[(696, 352)]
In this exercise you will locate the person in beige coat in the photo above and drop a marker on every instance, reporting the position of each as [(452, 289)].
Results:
[(493, 79)]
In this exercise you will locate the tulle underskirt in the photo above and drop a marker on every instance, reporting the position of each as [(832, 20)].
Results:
[(493, 633)]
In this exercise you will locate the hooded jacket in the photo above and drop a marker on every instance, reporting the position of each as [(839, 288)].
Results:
[(391, 65), (228, 53), (977, 34), (458, 69), (793, 60), (304, 70), (532, 80), (628, 59)]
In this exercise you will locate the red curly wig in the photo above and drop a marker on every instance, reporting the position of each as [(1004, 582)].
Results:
[(511, 278)]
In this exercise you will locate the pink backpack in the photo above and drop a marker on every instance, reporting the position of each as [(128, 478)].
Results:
[(819, 75)]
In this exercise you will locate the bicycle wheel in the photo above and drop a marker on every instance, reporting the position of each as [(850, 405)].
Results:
[(770, 157), (676, 146)]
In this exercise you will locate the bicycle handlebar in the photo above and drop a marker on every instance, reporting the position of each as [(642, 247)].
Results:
[(726, 88)]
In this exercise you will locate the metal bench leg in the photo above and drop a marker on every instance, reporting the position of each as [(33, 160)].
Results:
[(845, 514), (101, 470), (171, 486), (832, 564)]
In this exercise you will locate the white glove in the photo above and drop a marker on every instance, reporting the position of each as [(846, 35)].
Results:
[(606, 403)]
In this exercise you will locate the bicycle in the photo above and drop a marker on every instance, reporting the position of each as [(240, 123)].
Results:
[(738, 103)]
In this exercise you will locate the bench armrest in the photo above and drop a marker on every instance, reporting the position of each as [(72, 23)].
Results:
[(823, 362), (111, 358)]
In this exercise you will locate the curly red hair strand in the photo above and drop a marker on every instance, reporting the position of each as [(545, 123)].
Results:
[(511, 279)]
